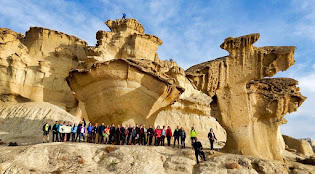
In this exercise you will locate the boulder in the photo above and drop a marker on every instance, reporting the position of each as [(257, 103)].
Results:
[(301, 146)]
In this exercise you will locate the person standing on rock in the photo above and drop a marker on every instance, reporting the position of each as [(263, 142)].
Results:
[(211, 137), (182, 137), (157, 134), (106, 134), (68, 131), (82, 133), (79, 130), (163, 136), (74, 130), (58, 131), (126, 135), (169, 135), (145, 135), (176, 136), (141, 135), (55, 132), (129, 134), (63, 131), (193, 135), (94, 132), (133, 138), (112, 134), (100, 133), (124, 15), (122, 134), (46, 130), (198, 150), (150, 135), (138, 133), (89, 130)]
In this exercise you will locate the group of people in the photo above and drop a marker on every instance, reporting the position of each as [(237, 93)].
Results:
[(123, 135)]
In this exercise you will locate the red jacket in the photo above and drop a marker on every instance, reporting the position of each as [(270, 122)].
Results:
[(158, 132), (168, 133)]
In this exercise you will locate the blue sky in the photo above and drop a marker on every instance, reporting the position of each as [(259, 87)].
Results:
[(191, 32)]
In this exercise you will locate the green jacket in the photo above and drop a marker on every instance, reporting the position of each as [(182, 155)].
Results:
[(193, 133)]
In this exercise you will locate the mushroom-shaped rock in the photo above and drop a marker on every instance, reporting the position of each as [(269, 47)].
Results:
[(252, 122), (123, 91)]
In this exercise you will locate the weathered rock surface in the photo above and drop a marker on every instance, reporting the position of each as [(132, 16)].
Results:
[(83, 158), (23, 122), (301, 146), (122, 80), (122, 91), (250, 111), (34, 66)]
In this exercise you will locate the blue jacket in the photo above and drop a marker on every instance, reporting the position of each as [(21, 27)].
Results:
[(101, 129), (74, 129), (89, 129)]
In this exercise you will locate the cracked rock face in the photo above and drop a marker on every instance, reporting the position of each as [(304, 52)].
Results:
[(250, 111)]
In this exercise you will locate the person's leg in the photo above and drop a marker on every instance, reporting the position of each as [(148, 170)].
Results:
[(203, 155), (175, 138), (44, 137), (196, 154), (211, 144), (178, 142)]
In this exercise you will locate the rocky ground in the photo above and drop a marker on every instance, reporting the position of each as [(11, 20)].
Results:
[(94, 158)]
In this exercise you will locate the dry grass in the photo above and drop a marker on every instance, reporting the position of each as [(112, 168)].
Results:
[(231, 165), (110, 149)]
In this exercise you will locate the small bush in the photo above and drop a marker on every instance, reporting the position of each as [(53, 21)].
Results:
[(231, 165), (309, 161), (110, 149), (113, 163)]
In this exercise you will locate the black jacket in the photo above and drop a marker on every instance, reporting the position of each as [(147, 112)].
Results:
[(54, 128), (130, 131), (197, 146), (177, 133), (138, 130), (101, 129), (112, 130), (210, 137), (151, 132)]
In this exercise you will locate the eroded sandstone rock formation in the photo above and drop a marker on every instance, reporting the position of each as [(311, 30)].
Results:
[(250, 108), (122, 80), (34, 66)]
